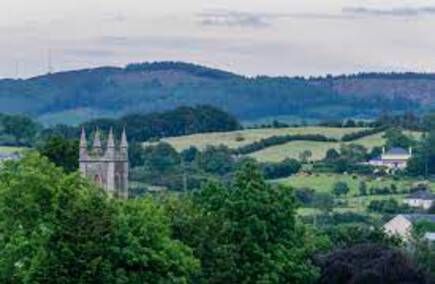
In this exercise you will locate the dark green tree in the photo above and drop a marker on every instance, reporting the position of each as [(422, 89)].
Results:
[(340, 188), (58, 228), (62, 152), (247, 233)]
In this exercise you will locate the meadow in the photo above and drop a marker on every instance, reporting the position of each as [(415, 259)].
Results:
[(7, 149), (325, 182), (353, 201), (318, 149), (236, 139)]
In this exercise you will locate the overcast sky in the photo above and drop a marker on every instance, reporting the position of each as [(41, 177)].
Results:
[(250, 37)]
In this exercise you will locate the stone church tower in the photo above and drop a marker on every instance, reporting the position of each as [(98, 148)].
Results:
[(108, 168)]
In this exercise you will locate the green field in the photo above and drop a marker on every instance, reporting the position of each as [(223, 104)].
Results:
[(318, 149), (236, 139), (10, 149), (355, 203), (325, 182)]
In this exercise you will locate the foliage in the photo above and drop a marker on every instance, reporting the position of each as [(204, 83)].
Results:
[(362, 133), (57, 228), (340, 188), (246, 233), (369, 264), (217, 160), (62, 152), (21, 129), (177, 122), (388, 206), (279, 140), (348, 235), (281, 169), (396, 138)]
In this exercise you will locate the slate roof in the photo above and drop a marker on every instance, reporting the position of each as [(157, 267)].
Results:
[(397, 151), (419, 217), (422, 194), (7, 156)]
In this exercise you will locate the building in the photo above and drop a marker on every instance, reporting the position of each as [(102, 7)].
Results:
[(9, 156), (394, 159), (108, 168), (420, 199), (402, 224)]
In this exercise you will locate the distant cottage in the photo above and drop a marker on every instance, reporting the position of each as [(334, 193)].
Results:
[(394, 159), (108, 168), (402, 224), (421, 199)]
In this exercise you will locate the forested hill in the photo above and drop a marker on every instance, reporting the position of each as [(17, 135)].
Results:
[(110, 91)]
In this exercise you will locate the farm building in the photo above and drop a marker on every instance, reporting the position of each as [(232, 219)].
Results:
[(395, 158), (402, 224), (420, 199)]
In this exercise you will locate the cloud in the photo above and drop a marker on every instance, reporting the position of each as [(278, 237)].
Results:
[(233, 18), (88, 52), (397, 11), (255, 20)]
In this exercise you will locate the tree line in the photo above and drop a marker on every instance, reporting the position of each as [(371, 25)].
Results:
[(68, 231)]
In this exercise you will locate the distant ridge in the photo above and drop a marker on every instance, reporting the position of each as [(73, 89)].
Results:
[(73, 96)]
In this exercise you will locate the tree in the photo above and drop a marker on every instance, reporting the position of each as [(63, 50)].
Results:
[(340, 188), (362, 188), (190, 154), (161, 158), (369, 264), (247, 233), (324, 201), (332, 155), (22, 128), (216, 160), (62, 152), (66, 230), (281, 169), (136, 154), (396, 138), (305, 156)]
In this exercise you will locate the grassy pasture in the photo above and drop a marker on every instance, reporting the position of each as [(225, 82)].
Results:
[(318, 149), (236, 139), (325, 182), (5, 149), (354, 202)]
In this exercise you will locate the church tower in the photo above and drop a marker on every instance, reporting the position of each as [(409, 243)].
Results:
[(107, 168)]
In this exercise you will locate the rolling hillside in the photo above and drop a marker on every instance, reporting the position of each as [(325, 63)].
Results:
[(276, 153), (74, 96)]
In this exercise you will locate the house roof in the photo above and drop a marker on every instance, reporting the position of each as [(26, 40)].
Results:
[(429, 236), (397, 151), (4, 156), (419, 217), (422, 194)]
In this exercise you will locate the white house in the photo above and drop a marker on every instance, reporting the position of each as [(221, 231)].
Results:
[(395, 158), (420, 199), (401, 225)]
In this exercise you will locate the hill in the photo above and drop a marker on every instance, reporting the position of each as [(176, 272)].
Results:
[(74, 96)]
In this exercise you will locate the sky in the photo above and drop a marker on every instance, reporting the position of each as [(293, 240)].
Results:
[(249, 37)]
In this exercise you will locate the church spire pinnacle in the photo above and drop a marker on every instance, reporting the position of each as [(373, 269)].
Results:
[(83, 142), (124, 143), (110, 140), (97, 142)]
